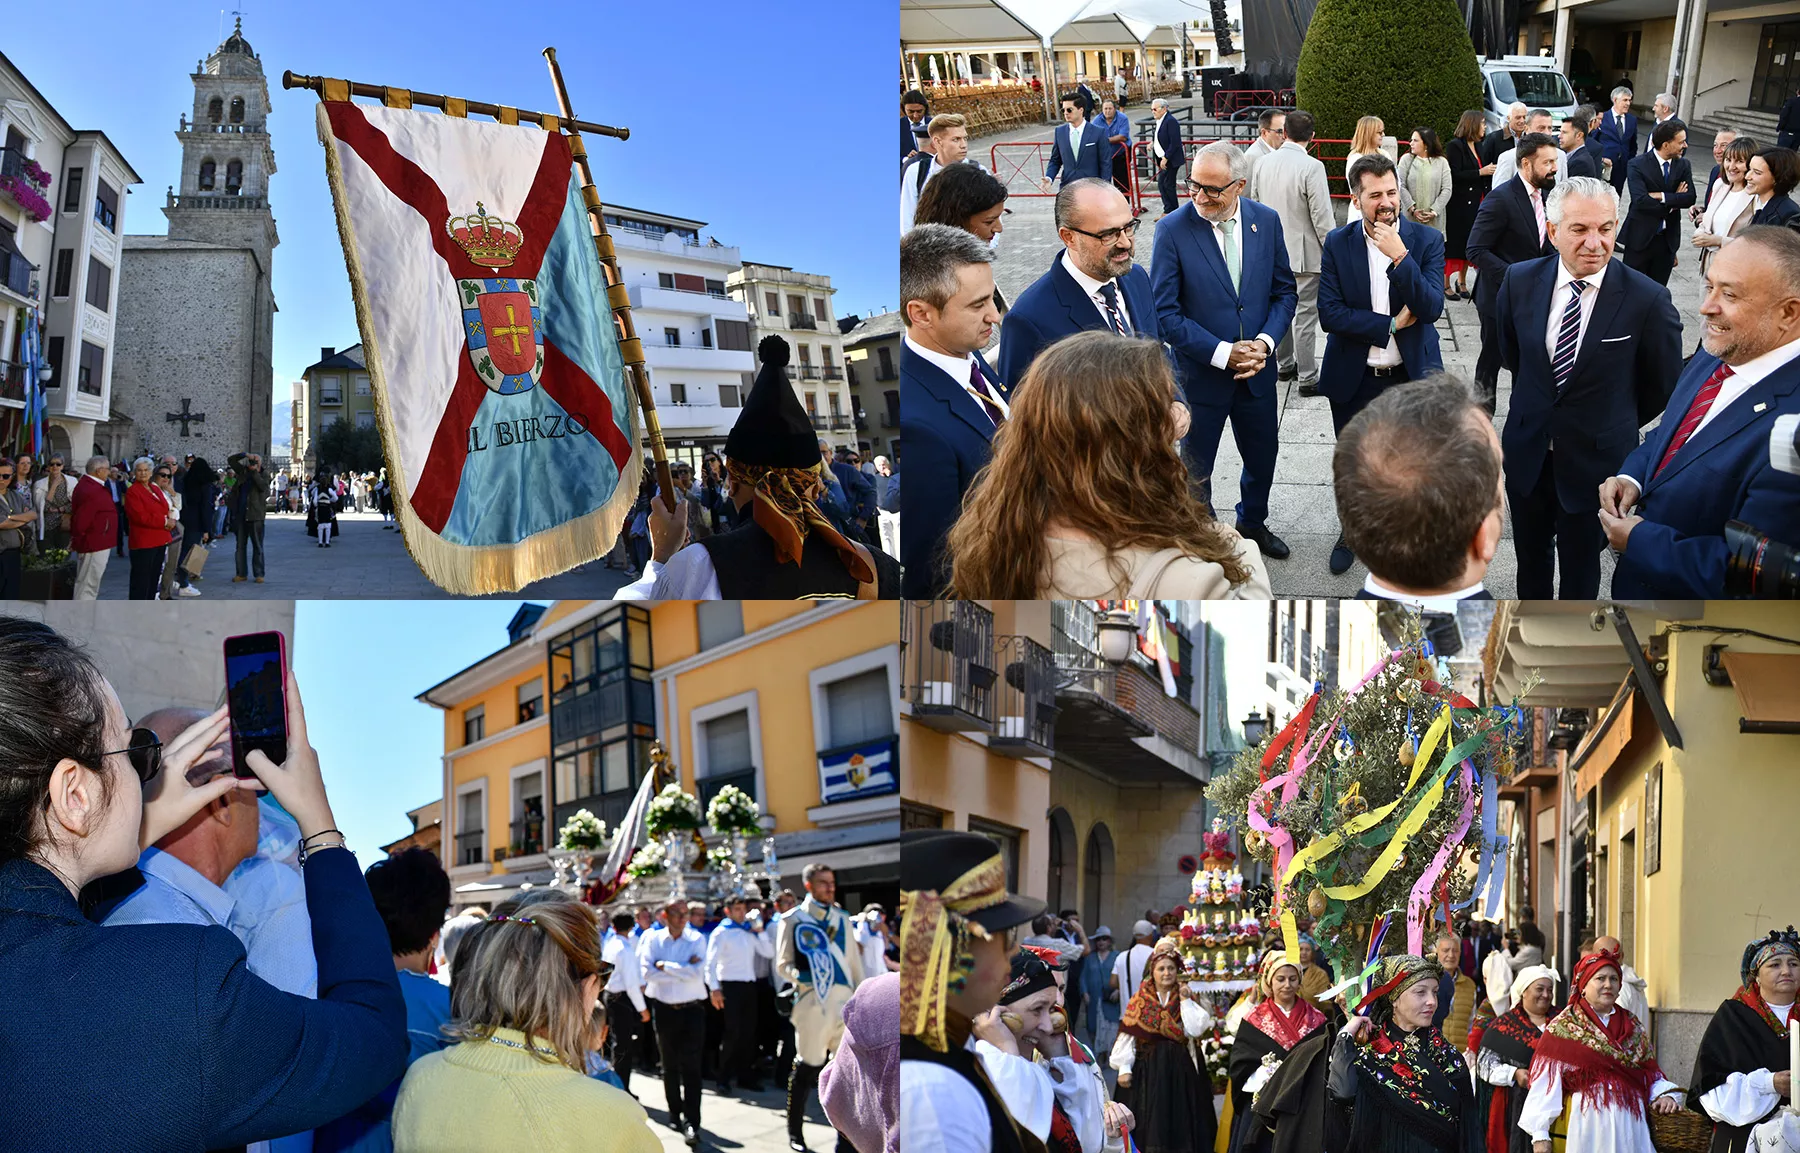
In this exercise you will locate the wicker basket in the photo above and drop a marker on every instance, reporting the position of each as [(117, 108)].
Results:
[(1683, 1131)]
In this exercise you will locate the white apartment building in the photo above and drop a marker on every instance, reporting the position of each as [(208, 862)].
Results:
[(796, 306), (696, 337), (59, 253)]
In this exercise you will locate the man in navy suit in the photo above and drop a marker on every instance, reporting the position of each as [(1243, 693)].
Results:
[(1594, 348), (1618, 135), (1166, 154), (1581, 156), (1662, 184), (1710, 459), (1081, 148), (1092, 283), (1509, 227), (1225, 296), (914, 122), (1381, 291), (951, 402)]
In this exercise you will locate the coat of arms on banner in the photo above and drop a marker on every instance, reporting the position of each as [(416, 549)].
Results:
[(500, 389)]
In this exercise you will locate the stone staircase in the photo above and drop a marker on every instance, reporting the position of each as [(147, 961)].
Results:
[(1758, 124)]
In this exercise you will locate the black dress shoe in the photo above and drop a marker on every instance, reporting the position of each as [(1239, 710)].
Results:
[(1310, 388), (1341, 557), (1271, 545), (1287, 373), (797, 1145), (724, 1088), (691, 1134)]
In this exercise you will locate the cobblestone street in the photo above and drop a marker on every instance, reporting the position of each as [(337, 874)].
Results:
[(1301, 507)]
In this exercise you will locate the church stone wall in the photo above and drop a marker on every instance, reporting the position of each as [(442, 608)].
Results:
[(186, 328)]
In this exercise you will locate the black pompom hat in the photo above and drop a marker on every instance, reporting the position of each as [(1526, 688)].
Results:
[(773, 430)]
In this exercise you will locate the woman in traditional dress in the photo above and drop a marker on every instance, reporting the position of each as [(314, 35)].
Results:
[(1742, 1074), (1395, 1084), (1503, 1060), (1594, 1072), (1159, 1076), (1281, 1020)]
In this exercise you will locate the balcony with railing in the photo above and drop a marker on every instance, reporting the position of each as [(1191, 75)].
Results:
[(527, 836), (820, 422), (1117, 720), (15, 273), (808, 372), (802, 320), (216, 202), (224, 129), (12, 381), (833, 372), (1026, 708), (686, 300), (947, 671), (468, 848), (841, 423)]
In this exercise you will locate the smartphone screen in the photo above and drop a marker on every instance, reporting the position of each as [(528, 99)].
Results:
[(256, 691)]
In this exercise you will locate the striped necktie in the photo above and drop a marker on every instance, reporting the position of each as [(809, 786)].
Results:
[(1116, 318), (1703, 401), (1568, 338), (978, 387)]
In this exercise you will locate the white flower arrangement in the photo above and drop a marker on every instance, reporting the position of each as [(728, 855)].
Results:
[(672, 809), (720, 859), (582, 831), (648, 862), (733, 811)]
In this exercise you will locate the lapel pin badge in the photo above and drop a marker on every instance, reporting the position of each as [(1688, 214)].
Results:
[(1253, 227), (1760, 406)]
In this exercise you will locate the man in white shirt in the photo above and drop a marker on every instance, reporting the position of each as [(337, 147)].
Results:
[(1506, 165), (674, 961), (1131, 964), (950, 145), (731, 954), (626, 1012), (870, 928)]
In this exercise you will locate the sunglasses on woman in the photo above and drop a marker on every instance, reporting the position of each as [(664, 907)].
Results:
[(144, 753)]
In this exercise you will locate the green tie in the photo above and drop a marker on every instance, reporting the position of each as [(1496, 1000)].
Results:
[(1231, 251)]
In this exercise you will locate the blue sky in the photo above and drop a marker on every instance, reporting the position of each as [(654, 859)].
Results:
[(768, 121), (359, 665)]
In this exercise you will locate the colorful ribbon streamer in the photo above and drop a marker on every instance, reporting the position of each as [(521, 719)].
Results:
[(1418, 904)]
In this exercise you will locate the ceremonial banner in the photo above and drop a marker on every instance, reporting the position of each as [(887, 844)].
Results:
[(853, 773), (500, 392)]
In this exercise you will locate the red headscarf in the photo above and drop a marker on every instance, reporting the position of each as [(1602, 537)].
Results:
[(1611, 1063)]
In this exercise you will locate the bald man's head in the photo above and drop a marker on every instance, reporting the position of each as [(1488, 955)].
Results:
[(170, 723), (1608, 945)]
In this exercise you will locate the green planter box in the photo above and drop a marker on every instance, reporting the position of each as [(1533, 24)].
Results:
[(48, 584)]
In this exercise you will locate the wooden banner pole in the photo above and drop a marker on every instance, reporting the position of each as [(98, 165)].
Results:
[(631, 349), (329, 89)]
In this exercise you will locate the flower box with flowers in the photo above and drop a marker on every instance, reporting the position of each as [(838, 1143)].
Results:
[(25, 194), (582, 831), (719, 860), (733, 811), (648, 861), (672, 810)]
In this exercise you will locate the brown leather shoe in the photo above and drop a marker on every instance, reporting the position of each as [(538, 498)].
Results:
[(235, 580), (259, 580)]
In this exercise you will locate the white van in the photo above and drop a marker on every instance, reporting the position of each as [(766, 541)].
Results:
[(1531, 80)]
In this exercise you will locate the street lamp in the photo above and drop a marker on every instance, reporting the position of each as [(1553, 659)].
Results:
[(44, 374), (1255, 728), (1118, 635)]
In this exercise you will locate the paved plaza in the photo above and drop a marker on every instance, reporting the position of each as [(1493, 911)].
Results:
[(364, 562), (752, 1122), (1301, 507)]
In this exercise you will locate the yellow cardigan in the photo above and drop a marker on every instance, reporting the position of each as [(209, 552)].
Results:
[(481, 1096)]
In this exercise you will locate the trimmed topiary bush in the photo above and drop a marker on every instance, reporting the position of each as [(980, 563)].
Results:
[(1410, 62)]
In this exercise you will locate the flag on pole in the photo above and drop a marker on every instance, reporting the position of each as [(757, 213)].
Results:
[(499, 388), (625, 839), (1155, 639), (31, 355)]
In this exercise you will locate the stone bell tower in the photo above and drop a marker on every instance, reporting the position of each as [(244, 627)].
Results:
[(226, 157)]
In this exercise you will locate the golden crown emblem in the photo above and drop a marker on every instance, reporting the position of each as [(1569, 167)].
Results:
[(489, 240)]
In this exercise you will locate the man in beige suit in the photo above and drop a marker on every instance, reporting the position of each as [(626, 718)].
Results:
[(1292, 182), (1268, 136)]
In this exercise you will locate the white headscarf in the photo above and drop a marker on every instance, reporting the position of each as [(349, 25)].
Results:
[(1529, 974)]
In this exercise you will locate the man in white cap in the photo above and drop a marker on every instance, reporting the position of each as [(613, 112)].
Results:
[(1128, 971)]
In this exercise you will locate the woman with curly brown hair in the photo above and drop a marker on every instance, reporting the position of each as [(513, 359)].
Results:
[(1086, 496)]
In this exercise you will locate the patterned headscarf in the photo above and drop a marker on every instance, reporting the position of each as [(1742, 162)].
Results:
[(1611, 1064), (1780, 943), (1286, 1028), (1145, 1016), (1417, 1066), (934, 937), (1398, 974)]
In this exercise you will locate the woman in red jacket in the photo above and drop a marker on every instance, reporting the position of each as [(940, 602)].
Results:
[(149, 517)]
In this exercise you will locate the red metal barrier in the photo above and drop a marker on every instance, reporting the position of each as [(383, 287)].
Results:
[(1334, 165), (1231, 100), (1021, 168)]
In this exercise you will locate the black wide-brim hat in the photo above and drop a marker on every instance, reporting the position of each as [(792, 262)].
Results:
[(772, 430), (935, 859)]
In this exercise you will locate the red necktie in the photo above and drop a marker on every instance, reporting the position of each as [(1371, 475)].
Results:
[(1696, 413), (978, 383)]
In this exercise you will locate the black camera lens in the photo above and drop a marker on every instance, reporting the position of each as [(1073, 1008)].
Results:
[(1758, 566)]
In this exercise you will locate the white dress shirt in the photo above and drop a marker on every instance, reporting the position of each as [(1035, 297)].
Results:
[(1379, 301), (1559, 300), (1092, 287), (627, 977), (910, 188), (1745, 377), (1222, 354), (1155, 144), (1434, 604), (674, 967), (731, 952), (958, 368)]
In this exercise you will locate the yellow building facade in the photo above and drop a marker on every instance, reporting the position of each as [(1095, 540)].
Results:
[(795, 704)]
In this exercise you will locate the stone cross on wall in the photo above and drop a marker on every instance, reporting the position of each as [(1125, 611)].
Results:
[(185, 416)]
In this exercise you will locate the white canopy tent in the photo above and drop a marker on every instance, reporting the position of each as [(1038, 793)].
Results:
[(983, 26)]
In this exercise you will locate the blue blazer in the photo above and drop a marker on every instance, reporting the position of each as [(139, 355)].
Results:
[(946, 434), (1168, 134), (1054, 306), (1780, 210), (1584, 161), (1722, 473), (1346, 312), (909, 143), (1624, 371), (1090, 156), (1615, 145), (1197, 308), (157, 1037)]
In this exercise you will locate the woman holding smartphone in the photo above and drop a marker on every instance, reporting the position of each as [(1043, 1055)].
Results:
[(157, 1037)]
